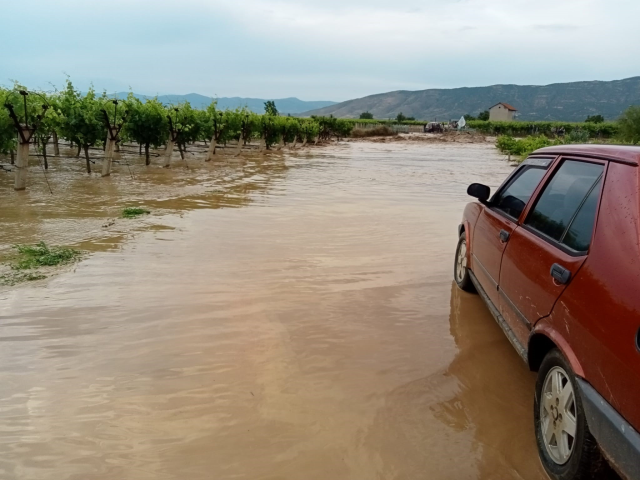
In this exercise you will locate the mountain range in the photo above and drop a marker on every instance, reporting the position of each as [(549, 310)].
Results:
[(573, 101), (290, 105)]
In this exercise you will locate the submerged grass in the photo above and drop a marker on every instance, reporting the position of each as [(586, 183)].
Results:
[(41, 255), (133, 212), (36, 257), (13, 278)]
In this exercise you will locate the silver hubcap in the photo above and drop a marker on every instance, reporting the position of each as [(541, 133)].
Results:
[(558, 415), (461, 262)]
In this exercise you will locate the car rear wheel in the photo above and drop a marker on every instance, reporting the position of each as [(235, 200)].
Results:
[(460, 268), (567, 449)]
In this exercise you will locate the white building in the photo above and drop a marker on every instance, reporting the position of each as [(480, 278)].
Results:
[(502, 112)]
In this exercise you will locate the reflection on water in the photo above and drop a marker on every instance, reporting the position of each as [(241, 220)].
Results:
[(494, 389), (313, 333)]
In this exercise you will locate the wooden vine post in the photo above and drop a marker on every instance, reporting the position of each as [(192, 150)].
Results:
[(25, 134), (113, 132)]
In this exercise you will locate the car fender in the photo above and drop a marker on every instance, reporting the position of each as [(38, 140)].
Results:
[(545, 326), (469, 219)]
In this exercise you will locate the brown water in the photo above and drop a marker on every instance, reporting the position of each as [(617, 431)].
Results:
[(310, 332)]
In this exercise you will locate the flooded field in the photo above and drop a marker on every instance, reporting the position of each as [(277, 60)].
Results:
[(287, 317)]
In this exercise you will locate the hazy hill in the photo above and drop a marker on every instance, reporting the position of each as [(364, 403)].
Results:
[(284, 105), (560, 101)]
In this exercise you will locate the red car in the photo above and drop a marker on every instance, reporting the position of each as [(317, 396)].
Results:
[(555, 254)]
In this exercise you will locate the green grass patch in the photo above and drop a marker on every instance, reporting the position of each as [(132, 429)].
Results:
[(133, 212), (41, 255), (523, 147)]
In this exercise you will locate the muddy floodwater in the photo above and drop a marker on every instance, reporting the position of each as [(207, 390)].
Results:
[(291, 316)]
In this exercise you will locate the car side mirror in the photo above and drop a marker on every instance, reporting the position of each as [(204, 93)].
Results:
[(479, 191)]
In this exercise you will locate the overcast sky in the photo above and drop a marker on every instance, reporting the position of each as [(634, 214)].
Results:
[(315, 50)]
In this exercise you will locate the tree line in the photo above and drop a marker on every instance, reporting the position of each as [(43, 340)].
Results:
[(81, 119)]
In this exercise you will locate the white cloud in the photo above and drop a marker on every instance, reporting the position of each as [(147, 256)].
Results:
[(335, 49)]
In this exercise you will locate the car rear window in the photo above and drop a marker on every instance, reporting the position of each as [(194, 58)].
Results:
[(578, 235), (565, 211)]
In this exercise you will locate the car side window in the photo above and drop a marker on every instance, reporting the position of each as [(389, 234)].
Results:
[(565, 210), (514, 197)]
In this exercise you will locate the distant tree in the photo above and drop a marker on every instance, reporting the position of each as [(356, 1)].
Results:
[(270, 108), (366, 116), (468, 117), (484, 115), (595, 119), (410, 119), (400, 117), (629, 125)]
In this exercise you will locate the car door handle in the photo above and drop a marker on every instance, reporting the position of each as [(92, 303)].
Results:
[(504, 236), (560, 274)]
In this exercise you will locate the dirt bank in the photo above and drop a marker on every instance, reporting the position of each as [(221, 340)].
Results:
[(447, 137)]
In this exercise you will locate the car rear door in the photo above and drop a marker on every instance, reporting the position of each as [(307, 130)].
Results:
[(551, 245), (498, 219)]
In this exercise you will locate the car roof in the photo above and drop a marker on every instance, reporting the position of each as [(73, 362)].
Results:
[(622, 153)]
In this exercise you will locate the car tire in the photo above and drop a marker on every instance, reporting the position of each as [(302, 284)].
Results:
[(460, 270), (567, 449)]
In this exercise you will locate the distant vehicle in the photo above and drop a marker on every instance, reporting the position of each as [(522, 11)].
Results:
[(555, 254), (434, 127)]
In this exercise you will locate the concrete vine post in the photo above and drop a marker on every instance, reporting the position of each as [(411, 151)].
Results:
[(217, 124), (110, 147), (212, 148), (168, 151), (25, 134), (113, 132)]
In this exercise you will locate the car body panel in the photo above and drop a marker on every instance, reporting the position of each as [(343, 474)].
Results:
[(548, 328), (594, 320), (488, 249), (600, 309), (527, 290)]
